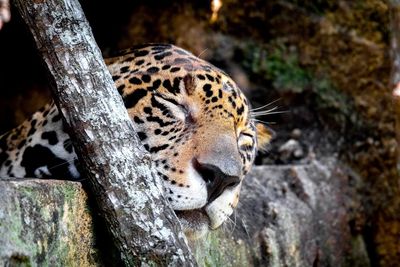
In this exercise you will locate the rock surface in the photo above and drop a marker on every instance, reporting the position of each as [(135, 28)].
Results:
[(289, 215), (45, 223), (293, 215)]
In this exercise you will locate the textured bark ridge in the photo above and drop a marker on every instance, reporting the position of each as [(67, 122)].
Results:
[(143, 226), (293, 215)]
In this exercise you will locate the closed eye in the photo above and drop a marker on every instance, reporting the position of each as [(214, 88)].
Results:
[(167, 99), (246, 141), (178, 110), (247, 134)]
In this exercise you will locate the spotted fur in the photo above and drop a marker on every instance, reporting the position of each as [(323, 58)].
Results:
[(189, 115)]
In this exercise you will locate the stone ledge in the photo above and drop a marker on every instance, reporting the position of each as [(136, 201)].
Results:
[(45, 222), (294, 215), (290, 215)]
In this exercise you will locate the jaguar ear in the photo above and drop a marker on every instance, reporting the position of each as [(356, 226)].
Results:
[(264, 136)]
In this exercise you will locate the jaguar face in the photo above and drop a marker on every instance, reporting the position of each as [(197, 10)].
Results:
[(197, 125)]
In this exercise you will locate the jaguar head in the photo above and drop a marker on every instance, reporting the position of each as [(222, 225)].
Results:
[(197, 125)]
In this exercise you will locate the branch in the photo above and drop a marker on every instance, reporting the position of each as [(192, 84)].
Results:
[(144, 228)]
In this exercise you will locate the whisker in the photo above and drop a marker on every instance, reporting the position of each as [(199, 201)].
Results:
[(202, 52), (245, 228), (269, 113), (61, 164), (234, 223), (271, 109), (229, 219), (265, 122), (278, 112), (64, 163), (229, 225), (263, 111), (269, 104)]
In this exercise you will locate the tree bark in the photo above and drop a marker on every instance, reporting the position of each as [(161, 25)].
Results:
[(127, 191)]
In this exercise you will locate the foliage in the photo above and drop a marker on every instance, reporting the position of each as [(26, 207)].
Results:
[(279, 66)]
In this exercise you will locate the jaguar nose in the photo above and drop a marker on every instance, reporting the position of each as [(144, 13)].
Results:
[(216, 180)]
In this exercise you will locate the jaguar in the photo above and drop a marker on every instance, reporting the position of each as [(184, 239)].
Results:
[(191, 116)]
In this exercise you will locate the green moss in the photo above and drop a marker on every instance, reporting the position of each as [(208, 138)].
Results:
[(62, 247), (280, 67), (69, 191), (219, 249), (214, 258), (49, 225), (12, 229), (277, 65)]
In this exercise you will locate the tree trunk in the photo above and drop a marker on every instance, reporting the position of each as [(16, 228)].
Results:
[(127, 191)]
